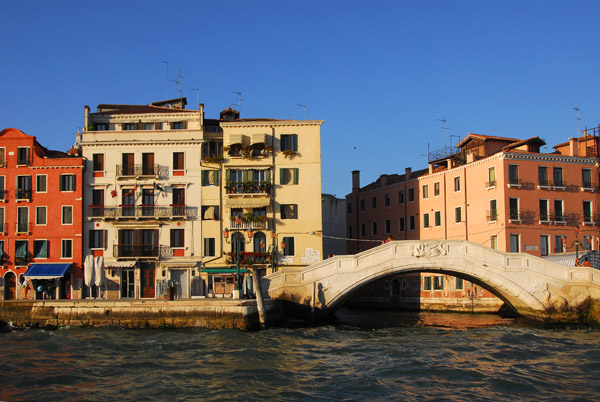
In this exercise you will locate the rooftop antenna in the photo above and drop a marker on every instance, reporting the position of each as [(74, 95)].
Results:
[(167, 83), (239, 99), (443, 120), (304, 106), (178, 82), (576, 109), (197, 95)]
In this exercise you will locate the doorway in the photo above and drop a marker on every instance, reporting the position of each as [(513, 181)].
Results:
[(10, 286), (180, 279), (147, 274)]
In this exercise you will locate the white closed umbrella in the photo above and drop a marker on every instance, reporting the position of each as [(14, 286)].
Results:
[(99, 270)]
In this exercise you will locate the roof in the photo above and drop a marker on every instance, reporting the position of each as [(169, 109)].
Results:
[(533, 140), (394, 179), (109, 109), (568, 259), (482, 137), (580, 139)]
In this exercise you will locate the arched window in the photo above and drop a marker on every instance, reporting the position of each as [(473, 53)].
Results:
[(260, 242)]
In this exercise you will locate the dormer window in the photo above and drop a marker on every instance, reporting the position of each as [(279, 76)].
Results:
[(128, 126), (101, 126)]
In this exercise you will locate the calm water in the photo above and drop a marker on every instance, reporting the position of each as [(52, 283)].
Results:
[(365, 356)]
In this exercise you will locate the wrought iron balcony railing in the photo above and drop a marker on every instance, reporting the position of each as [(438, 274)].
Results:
[(23, 227), (142, 171), (244, 224), (492, 215), (3, 195), (128, 251), (514, 215), (142, 212), (23, 194), (21, 261), (248, 187)]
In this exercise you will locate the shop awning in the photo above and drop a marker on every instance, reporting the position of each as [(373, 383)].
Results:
[(119, 264), (259, 138), (235, 139), (223, 270), (47, 271), (248, 202)]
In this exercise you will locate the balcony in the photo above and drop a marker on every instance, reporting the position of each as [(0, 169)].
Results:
[(590, 220), (490, 184), (3, 195), (135, 251), (559, 185), (544, 217), (514, 182), (21, 261), (492, 215), (559, 218), (249, 258), (141, 171), (173, 211), (588, 186), (23, 195), (248, 187), (257, 223), (514, 216)]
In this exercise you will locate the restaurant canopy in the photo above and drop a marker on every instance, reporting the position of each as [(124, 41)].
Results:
[(47, 271)]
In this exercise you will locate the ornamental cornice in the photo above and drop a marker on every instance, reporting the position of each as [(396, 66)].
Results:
[(549, 158), (56, 167), (267, 123), (120, 143)]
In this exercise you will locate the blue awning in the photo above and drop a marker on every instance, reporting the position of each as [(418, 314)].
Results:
[(47, 271)]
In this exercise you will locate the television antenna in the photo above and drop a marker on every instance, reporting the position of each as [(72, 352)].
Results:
[(178, 82), (444, 121), (239, 99), (167, 81), (304, 106), (576, 109), (197, 95)]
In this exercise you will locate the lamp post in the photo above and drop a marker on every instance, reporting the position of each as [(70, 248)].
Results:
[(576, 230), (237, 241)]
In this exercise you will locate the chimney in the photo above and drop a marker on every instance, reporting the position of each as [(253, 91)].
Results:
[(355, 180), (86, 117), (407, 173), (573, 146), (383, 180), (201, 111)]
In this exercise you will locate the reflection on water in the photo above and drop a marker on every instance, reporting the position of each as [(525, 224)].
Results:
[(365, 355)]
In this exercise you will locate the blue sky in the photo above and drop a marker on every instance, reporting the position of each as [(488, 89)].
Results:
[(379, 73)]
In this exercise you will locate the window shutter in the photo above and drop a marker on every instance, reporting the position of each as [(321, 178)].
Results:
[(216, 183), (295, 175), (268, 175), (228, 175), (295, 142), (281, 175), (90, 238), (245, 175), (203, 180)]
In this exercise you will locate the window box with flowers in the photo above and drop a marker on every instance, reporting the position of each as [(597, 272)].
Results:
[(248, 258)]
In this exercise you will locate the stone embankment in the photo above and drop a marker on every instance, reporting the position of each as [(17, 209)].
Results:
[(203, 313)]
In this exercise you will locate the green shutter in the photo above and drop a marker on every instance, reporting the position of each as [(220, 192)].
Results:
[(281, 175), (295, 142), (228, 175), (268, 175), (245, 175), (203, 179), (216, 178), (295, 175)]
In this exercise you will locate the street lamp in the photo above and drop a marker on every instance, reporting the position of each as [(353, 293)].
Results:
[(237, 242), (576, 230)]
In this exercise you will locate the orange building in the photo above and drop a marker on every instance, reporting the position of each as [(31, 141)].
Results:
[(501, 192), (40, 219)]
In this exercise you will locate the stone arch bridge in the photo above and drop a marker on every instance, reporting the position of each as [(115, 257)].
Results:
[(531, 285)]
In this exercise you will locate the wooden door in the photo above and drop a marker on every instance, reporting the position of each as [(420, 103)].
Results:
[(147, 279), (10, 286)]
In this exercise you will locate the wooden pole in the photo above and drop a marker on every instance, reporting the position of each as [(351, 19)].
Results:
[(259, 299)]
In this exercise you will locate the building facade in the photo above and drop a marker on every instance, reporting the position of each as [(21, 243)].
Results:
[(40, 219)]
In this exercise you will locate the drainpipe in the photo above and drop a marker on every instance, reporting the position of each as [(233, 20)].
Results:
[(466, 208), (445, 209), (273, 189)]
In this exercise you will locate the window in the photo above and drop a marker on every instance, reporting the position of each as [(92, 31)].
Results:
[(363, 230), (23, 190), (289, 211), (513, 174), (386, 200), (177, 238), (209, 247), (101, 127), (587, 211), (544, 211), (40, 215), (544, 244), (426, 220), (2, 157), (128, 126), (513, 209), (438, 218), (457, 215), (21, 252), (587, 242), (67, 248), (177, 125), (289, 142), (2, 226), (288, 246), (401, 197), (411, 222), (362, 205), (438, 282), (558, 211), (288, 176), (210, 177), (96, 238), (2, 255), (494, 242), (425, 191), (401, 225), (212, 148), (388, 226), (210, 212), (40, 183), (67, 215), (373, 202), (148, 168), (23, 156), (514, 243), (586, 178), (178, 196), (436, 189), (349, 208), (457, 183), (493, 212), (542, 176), (98, 162), (40, 248), (178, 161), (458, 284), (427, 283), (2, 187), (374, 228), (22, 219), (558, 176), (560, 244), (491, 177), (411, 194), (349, 232), (67, 182)]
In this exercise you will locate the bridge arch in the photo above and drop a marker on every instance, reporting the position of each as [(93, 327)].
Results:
[(529, 284)]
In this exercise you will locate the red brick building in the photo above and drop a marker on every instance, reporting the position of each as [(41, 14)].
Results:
[(40, 219)]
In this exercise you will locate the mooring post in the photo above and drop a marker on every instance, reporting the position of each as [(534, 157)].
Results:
[(259, 299)]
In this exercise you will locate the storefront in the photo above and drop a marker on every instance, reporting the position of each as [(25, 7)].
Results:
[(49, 281)]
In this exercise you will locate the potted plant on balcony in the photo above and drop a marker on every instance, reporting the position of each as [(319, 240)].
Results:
[(289, 154), (246, 152), (212, 159)]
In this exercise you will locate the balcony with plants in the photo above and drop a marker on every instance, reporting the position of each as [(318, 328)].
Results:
[(249, 221), (248, 187), (248, 258)]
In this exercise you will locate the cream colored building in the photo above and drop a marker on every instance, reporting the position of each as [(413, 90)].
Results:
[(141, 198)]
